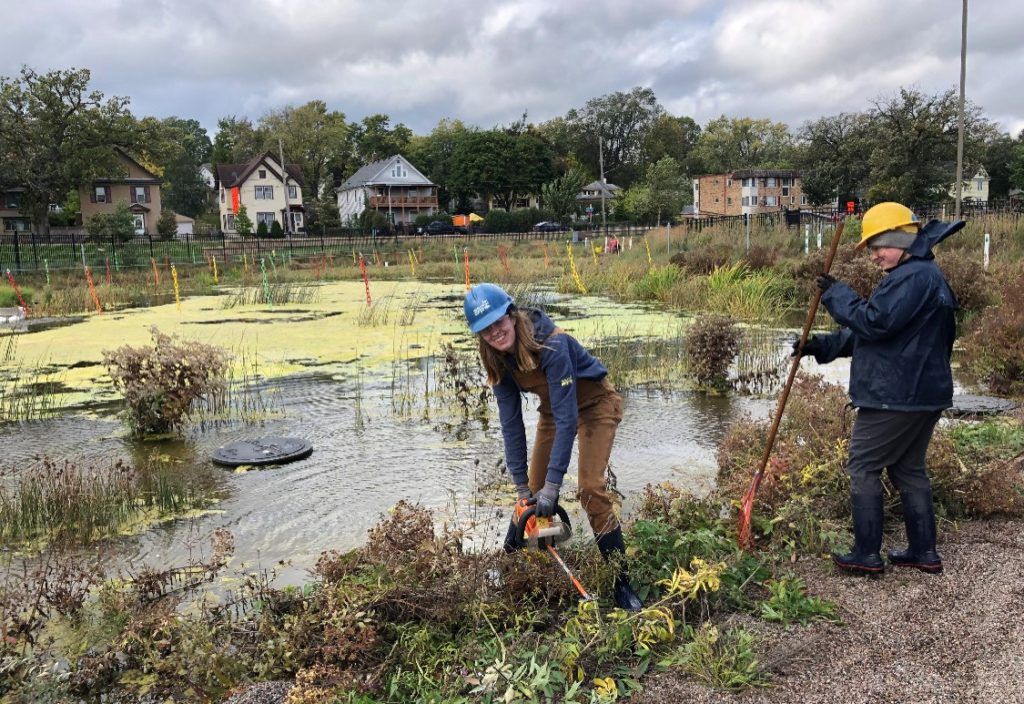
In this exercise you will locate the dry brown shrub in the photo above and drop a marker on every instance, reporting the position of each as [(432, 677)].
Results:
[(969, 280), (850, 265), (761, 257), (711, 345), (810, 447), (994, 350), (703, 260)]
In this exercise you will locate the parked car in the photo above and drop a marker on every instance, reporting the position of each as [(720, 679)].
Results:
[(440, 227), (548, 226)]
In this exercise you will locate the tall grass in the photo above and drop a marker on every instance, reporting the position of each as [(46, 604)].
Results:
[(62, 502), (762, 295), (275, 294), (26, 393)]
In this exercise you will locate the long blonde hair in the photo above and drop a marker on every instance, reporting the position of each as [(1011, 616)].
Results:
[(525, 350)]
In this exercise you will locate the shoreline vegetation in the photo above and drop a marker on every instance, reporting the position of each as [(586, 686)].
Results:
[(413, 616)]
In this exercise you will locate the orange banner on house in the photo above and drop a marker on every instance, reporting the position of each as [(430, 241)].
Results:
[(235, 198)]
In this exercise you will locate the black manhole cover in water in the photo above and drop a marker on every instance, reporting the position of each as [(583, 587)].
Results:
[(268, 450), (971, 405)]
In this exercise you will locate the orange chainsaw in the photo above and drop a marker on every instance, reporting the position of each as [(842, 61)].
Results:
[(534, 531)]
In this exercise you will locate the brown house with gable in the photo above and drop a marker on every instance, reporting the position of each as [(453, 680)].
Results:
[(138, 187)]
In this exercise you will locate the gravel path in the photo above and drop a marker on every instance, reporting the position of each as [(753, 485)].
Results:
[(906, 637)]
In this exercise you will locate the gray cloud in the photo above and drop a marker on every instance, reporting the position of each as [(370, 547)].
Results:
[(487, 62)]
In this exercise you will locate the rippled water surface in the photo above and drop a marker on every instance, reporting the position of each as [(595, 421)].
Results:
[(370, 450)]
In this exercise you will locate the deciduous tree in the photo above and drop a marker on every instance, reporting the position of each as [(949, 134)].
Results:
[(56, 134), (313, 137), (559, 195), (727, 144)]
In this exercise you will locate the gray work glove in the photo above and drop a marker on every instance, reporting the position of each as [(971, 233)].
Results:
[(523, 491), (547, 499)]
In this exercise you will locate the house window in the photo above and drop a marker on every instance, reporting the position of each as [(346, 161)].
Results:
[(293, 192), (222, 195), (139, 193), (100, 194), (296, 221), (792, 200), (266, 218), (770, 182), (785, 190), (140, 223), (15, 224), (11, 201), (979, 184), (263, 173), (398, 171), (229, 222), (803, 200), (728, 201), (264, 193), (771, 200), (728, 182)]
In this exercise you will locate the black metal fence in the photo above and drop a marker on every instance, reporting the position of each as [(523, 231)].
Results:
[(28, 251)]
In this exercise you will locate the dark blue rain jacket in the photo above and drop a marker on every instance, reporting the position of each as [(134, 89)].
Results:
[(901, 337), (563, 360)]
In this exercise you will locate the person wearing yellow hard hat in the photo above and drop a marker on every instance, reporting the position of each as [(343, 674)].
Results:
[(900, 340)]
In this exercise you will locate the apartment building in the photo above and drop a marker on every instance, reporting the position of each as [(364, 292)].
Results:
[(748, 191)]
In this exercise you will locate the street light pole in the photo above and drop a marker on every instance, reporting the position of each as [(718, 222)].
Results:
[(961, 120)]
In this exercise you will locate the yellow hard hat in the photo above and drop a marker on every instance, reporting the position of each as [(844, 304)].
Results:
[(886, 217)]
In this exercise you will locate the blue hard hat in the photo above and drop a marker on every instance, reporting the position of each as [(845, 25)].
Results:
[(484, 305)]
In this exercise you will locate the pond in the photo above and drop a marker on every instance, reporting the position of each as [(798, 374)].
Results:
[(353, 383)]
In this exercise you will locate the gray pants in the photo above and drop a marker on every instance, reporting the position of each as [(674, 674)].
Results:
[(893, 440)]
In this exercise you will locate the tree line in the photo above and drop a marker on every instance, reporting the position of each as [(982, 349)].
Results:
[(56, 133)]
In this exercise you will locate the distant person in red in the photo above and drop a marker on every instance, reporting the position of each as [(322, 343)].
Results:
[(613, 245)]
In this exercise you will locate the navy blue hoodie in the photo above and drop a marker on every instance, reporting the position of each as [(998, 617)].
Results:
[(901, 337), (563, 360)]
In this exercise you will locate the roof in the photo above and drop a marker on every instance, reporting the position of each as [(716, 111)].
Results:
[(231, 175), (761, 173), (610, 190), (375, 173)]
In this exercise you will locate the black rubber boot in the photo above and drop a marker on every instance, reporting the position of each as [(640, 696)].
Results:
[(919, 517), (612, 547), (511, 544), (867, 535)]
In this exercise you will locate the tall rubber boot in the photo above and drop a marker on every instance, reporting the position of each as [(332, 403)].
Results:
[(612, 547), (867, 536), (511, 544), (919, 518)]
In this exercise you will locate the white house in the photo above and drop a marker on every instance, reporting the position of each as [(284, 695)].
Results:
[(975, 190), (391, 186), (267, 193)]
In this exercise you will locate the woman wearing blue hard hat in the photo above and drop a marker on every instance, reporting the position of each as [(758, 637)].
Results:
[(523, 351)]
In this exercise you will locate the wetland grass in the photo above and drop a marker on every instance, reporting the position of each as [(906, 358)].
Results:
[(273, 294), (26, 393), (61, 502)]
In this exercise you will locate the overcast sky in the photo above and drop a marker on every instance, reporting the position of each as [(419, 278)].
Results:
[(487, 62)]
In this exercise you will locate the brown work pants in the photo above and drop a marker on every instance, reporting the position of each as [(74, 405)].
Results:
[(600, 411)]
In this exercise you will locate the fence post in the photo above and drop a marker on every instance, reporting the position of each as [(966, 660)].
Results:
[(151, 254), (17, 253), (35, 253)]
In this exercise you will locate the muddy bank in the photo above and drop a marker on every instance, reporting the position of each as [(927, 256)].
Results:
[(907, 637)]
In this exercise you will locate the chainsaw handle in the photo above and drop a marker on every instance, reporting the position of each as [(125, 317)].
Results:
[(529, 513)]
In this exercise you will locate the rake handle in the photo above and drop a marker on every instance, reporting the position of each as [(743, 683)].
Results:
[(795, 365)]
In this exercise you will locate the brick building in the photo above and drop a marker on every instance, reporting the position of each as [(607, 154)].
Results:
[(748, 191)]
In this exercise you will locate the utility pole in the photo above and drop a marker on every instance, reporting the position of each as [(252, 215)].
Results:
[(960, 126), (600, 159), (284, 179)]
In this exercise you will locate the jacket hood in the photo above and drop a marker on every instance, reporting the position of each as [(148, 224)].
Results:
[(542, 325), (930, 235)]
